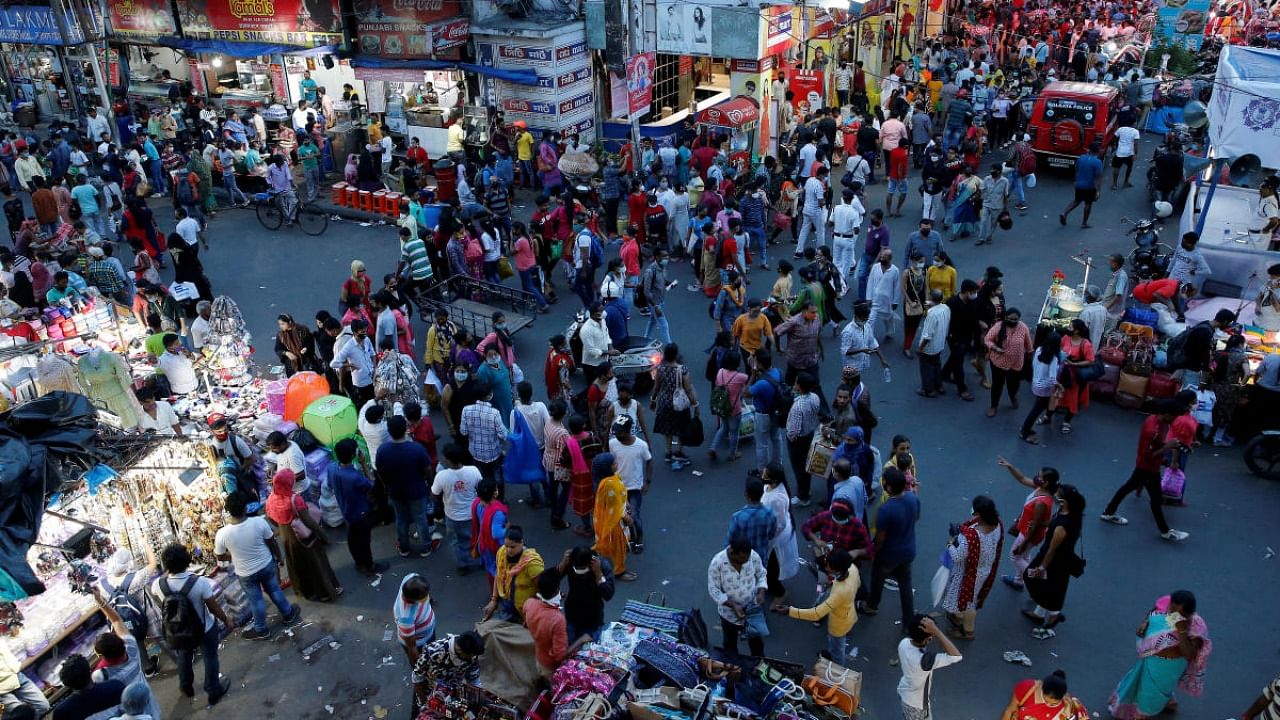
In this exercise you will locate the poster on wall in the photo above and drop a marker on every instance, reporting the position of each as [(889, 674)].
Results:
[(288, 22), (144, 19), (640, 83), (405, 28), (684, 29), (808, 88), (1182, 22)]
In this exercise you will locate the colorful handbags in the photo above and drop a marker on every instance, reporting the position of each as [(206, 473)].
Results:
[(1133, 384), (835, 674), (1173, 484), (832, 697), (1161, 385)]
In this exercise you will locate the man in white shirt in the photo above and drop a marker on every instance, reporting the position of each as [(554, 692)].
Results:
[(805, 158), (813, 215), (300, 117), (933, 340), (846, 219), (1125, 142), (96, 125), (455, 488), (247, 543), (858, 341), (176, 365), (596, 346), (634, 465), (199, 591), (157, 416), (189, 228), (918, 665), (284, 453), (884, 290), (358, 354), (535, 413), (736, 578), (1094, 316), (372, 423), (200, 326)]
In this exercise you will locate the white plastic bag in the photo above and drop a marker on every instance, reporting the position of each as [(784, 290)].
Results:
[(1030, 180)]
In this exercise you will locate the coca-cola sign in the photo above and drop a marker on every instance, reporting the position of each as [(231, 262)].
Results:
[(409, 28)]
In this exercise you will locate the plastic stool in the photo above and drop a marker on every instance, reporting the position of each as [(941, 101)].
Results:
[(337, 193), (393, 201), (351, 196), (366, 201), (380, 202)]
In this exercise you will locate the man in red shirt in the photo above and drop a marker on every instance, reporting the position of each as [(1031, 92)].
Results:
[(630, 254), (1154, 441), (898, 158), (544, 618), (702, 158), (421, 429)]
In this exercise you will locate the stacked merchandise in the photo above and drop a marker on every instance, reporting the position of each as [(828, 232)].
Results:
[(228, 350)]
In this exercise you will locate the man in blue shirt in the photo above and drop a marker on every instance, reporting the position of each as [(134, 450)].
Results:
[(1088, 183), (351, 489), (615, 319), (766, 380), (895, 544)]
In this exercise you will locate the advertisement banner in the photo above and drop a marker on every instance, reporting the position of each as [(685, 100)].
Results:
[(402, 28), (640, 83), (684, 29), (618, 102), (1182, 22), (779, 20), (287, 22), (31, 24), (808, 87), (141, 19)]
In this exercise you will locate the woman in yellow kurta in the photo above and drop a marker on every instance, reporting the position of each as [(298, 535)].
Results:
[(610, 515), (941, 275)]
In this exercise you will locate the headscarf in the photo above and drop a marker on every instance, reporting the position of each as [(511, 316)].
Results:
[(280, 503), (356, 267), (602, 466), (136, 698)]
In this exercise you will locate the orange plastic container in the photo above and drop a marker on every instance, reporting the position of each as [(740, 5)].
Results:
[(380, 202), (338, 193), (392, 209), (366, 201), (351, 196)]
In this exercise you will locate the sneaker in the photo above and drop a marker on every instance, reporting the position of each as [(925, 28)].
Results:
[(890, 584), (223, 686), (404, 553), (797, 502), (294, 617), (1114, 519), (426, 552), (1175, 535), (254, 634)]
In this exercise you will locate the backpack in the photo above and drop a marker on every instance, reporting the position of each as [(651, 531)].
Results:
[(720, 405), (782, 399), (134, 617), (641, 298), (186, 193), (1026, 160), (1176, 350), (597, 251), (183, 626)]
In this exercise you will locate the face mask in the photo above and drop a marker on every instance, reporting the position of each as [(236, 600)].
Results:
[(495, 362), (581, 571), (460, 376), (1011, 323), (918, 265), (663, 263), (839, 522), (499, 326), (938, 263), (555, 600)]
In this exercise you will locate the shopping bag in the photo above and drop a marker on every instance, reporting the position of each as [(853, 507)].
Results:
[(939, 583), (838, 675), (820, 455), (504, 268), (692, 434), (1005, 220), (1173, 483), (1030, 180), (523, 461), (833, 698)]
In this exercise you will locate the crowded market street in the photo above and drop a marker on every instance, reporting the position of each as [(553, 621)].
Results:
[(1228, 560)]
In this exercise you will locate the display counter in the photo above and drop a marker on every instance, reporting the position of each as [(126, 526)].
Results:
[(242, 99), (1237, 258), (152, 94), (428, 123)]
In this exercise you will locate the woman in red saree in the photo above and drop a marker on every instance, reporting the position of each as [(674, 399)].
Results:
[(580, 449), (1045, 699)]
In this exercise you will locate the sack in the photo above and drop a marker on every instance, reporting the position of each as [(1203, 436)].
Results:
[(186, 194), (1161, 385), (826, 695), (838, 675), (183, 625), (1091, 372), (1126, 400), (305, 441), (755, 625), (504, 268), (1141, 316), (821, 455), (1030, 180), (720, 405), (119, 599), (691, 435), (1135, 385), (1005, 220), (1173, 483)]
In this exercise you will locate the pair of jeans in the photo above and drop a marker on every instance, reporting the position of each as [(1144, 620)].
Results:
[(798, 449), (559, 499), (768, 440), (658, 321), (864, 272), (952, 137), (28, 693), (530, 284), (1140, 479), (1018, 187), (837, 648), (900, 571), (756, 235), (233, 189), (209, 650), (584, 287), (987, 222), (953, 371), (313, 181), (528, 177), (358, 541), (930, 372), (1040, 405), (635, 501), (265, 582), (409, 513), (729, 429), (611, 215), (460, 535), (810, 221), (158, 176), (732, 631)]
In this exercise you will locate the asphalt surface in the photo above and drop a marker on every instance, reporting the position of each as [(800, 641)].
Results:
[(1229, 514)]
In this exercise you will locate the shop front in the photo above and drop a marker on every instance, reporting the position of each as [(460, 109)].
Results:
[(49, 74), (152, 74)]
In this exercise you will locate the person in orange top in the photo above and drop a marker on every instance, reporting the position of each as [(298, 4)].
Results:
[(544, 618), (418, 154)]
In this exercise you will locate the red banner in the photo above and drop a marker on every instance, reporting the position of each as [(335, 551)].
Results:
[(198, 86), (288, 22), (640, 81), (403, 28), (808, 87), (141, 18), (279, 87)]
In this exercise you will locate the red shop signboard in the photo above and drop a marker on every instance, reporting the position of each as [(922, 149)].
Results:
[(141, 19), (808, 86), (403, 28), (287, 22)]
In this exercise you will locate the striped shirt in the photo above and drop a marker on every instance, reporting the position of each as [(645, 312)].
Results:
[(1272, 693), (498, 202), (414, 621), (413, 253), (802, 421)]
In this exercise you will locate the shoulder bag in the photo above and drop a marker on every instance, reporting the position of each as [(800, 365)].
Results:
[(299, 526)]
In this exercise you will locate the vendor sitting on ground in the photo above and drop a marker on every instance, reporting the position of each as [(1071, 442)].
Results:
[(1168, 292), (157, 416), (177, 367), (544, 617), (451, 661)]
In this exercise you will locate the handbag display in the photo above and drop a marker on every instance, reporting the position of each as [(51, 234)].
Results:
[(1113, 350), (1132, 384), (840, 676), (1127, 401), (833, 698), (1161, 385)]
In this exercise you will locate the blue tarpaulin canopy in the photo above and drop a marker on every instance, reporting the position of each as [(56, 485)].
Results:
[(242, 49), (519, 77)]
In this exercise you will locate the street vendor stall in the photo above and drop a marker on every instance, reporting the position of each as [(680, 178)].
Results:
[(739, 118)]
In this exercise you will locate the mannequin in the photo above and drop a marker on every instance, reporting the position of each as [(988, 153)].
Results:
[(107, 379), (54, 372)]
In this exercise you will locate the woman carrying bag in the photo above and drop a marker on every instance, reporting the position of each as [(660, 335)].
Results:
[(302, 541)]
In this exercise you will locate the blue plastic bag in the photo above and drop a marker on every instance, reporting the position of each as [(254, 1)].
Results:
[(523, 464)]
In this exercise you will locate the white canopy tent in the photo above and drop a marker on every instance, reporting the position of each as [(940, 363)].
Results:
[(1244, 113)]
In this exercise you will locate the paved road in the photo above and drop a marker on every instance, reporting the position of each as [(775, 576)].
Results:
[(1230, 514)]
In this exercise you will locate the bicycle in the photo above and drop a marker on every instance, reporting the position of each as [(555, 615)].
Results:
[(271, 213)]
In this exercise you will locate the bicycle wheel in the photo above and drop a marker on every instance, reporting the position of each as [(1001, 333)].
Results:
[(312, 220), (270, 215)]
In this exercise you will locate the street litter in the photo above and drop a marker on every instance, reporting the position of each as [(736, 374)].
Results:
[(1017, 657)]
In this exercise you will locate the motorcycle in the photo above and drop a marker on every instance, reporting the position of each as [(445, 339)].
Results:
[(1262, 455), (638, 355), (1150, 259)]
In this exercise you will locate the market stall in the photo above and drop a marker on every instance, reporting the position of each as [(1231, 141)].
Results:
[(738, 118)]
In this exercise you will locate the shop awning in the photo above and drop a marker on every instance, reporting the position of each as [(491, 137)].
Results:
[(739, 112), (243, 49), (519, 77)]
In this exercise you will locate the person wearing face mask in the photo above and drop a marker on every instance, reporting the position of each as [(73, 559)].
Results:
[(933, 337), (496, 376), (934, 181), (515, 577), (545, 618), (482, 425), (1033, 521), (1008, 347), (590, 580), (460, 392), (914, 296), (962, 335), (357, 355)]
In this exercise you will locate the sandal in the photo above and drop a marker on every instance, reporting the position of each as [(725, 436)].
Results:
[(628, 576), (991, 412), (1041, 633), (1030, 439), (1066, 428)]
